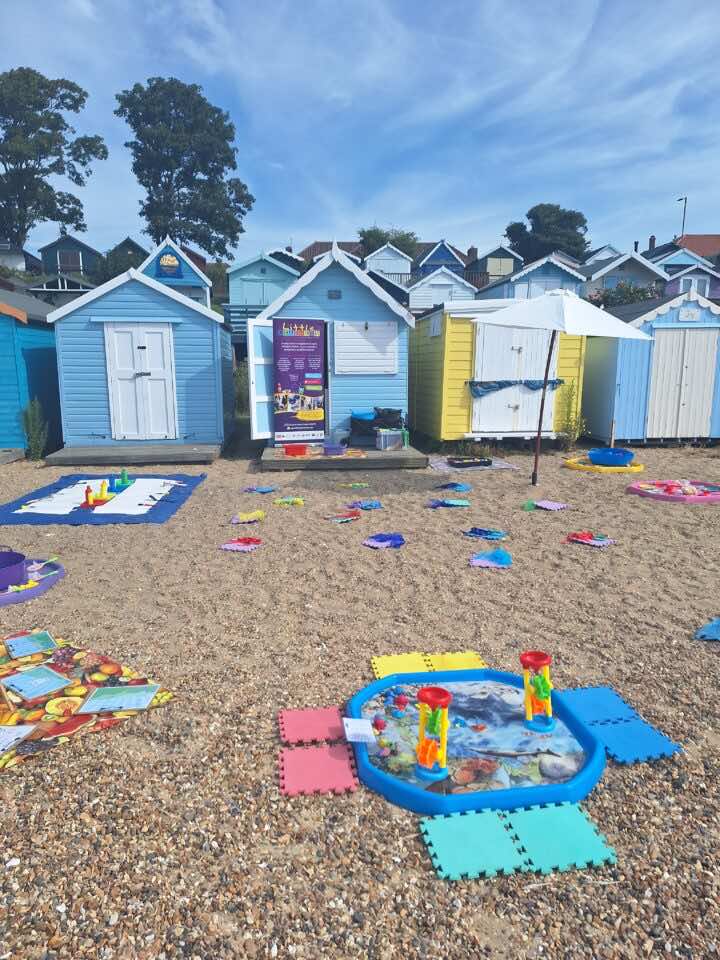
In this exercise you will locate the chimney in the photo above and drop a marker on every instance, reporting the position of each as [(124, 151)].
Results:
[(472, 254), (289, 248), (636, 244), (651, 242)]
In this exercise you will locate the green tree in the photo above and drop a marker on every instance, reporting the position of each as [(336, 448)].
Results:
[(624, 292), (183, 153), (375, 237), (552, 227), (115, 262), (217, 272), (37, 143)]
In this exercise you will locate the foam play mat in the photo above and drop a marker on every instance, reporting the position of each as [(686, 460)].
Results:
[(584, 463), (78, 499), (51, 691), (677, 491), (39, 577)]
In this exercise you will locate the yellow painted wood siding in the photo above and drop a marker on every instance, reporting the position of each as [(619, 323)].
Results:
[(570, 368), (459, 363), (426, 379)]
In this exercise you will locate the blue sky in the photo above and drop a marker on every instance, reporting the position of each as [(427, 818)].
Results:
[(449, 119)]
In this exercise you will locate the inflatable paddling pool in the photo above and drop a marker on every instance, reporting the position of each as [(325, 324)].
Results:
[(584, 463), (677, 491)]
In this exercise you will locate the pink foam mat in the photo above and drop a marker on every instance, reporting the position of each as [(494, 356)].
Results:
[(312, 725), (327, 768)]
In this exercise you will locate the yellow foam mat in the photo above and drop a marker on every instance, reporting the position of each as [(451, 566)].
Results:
[(463, 660), (415, 662), (399, 663)]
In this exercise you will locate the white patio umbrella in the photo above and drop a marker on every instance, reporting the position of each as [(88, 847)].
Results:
[(559, 311)]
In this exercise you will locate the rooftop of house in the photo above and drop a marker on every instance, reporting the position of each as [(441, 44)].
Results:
[(631, 311), (661, 250), (292, 260), (69, 236), (34, 308), (704, 244), (318, 247)]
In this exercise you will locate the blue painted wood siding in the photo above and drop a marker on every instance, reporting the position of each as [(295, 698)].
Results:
[(357, 303), (28, 369), (258, 283), (632, 388), (442, 257), (83, 374), (187, 281), (544, 273)]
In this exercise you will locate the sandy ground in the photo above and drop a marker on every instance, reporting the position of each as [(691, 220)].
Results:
[(169, 838)]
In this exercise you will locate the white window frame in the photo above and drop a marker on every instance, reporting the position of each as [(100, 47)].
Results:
[(391, 366)]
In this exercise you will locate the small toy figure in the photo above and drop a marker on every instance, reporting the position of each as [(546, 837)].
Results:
[(538, 687), (400, 703), (378, 723)]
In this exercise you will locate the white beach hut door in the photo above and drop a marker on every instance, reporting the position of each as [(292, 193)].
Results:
[(505, 353), (141, 381), (682, 383)]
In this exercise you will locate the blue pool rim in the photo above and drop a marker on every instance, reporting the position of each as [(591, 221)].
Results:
[(421, 801)]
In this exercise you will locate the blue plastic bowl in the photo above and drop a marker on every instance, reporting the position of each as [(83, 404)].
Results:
[(610, 457)]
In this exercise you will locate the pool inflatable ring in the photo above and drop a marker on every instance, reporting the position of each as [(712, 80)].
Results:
[(583, 463), (677, 491)]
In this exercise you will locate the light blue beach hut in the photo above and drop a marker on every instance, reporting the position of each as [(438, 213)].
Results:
[(664, 389), (141, 363), (366, 338)]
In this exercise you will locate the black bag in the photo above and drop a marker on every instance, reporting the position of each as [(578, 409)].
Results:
[(387, 418)]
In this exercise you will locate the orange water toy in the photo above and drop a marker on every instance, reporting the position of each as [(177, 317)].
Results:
[(538, 688), (431, 749)]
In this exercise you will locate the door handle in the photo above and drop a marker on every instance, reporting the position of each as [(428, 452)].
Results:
[(145, 373)]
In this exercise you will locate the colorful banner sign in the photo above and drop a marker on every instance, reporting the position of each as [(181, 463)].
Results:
[(299, 397)]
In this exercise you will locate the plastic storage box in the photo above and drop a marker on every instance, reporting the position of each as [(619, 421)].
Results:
[(386, 439)]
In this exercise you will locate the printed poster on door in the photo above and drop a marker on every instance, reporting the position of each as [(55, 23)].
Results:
[(299, 395)]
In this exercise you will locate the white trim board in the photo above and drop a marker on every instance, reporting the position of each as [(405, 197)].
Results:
[(263, 256), (442, 243), (445, 271), (623, 259), (169, 242), (691, 253), (675, 302), (123, 278), (550, 258), (500, 246), (690, 269), (389, 246), (335, 255)]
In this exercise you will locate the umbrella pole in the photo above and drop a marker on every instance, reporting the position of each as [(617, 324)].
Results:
[(534, 478)]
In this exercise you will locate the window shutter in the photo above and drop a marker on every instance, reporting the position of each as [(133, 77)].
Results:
[(366, 351)]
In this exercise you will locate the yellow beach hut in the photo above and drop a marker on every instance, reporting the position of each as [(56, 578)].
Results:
[(450, 348)]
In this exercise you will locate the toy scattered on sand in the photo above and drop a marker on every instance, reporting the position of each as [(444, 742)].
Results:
[(460, 463), (492, 559), (289, 502), (711, 631), (385, 541), (365, 505), (485, 533), (242, 544), (605, 460), (259, 489), (590, 539), (544, 505), (677, 491), (537, 687), (347, 517), (356, 485), (436, 504), (255, 516), (24, 579), (454, 485)]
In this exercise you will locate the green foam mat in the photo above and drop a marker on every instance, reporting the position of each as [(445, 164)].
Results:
[(559, 837), (468, 845)]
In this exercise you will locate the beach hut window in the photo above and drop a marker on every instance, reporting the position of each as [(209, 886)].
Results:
[(366, 347)]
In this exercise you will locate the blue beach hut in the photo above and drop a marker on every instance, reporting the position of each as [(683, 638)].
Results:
[(366, 343), (28, 368), (142, 364), (667, 388)]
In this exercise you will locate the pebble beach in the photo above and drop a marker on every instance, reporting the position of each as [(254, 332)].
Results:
[(168, 836)]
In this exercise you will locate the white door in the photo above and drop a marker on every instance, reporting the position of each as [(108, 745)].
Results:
[(141, 381), (503, 353), (682, 383)]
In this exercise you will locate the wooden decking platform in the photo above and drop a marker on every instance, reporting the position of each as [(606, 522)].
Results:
[(273, 458), (10, 455), (133, 455)]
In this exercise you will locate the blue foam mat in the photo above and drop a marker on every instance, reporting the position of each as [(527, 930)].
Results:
[(634, 741), (162, 511)]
